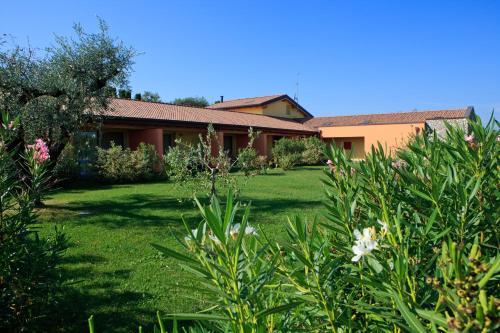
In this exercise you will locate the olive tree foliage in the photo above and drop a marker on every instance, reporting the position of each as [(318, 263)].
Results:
[(200, 102), (56, 91), (149, 96)]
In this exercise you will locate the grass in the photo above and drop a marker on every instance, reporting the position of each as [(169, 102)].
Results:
[(112, 271)]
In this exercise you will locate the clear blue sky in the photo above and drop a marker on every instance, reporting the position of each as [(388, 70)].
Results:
[(353, 56)]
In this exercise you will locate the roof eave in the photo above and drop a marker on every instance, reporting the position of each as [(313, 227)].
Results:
[(195, 124)]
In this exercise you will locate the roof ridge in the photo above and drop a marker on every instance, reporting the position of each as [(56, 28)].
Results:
[(237, 99), (163, 103), (392, 113)]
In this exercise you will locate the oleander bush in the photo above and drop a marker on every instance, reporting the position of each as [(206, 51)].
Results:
[(29, 278), (118, 165), (410, 243)]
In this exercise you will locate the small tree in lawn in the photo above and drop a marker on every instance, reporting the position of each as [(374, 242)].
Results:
[(204, 165)]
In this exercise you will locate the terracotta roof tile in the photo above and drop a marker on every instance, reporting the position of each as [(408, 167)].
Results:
[(162, 112), (246, 102), (388, 118)]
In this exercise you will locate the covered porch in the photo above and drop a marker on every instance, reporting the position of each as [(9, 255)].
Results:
[(162, 138)]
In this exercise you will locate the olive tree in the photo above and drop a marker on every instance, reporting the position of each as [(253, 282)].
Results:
[(57, 91)]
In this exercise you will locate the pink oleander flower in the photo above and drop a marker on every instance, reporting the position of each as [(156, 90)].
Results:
[(41, 151), (398, 164), (329, 162), (469, 138), (498, 138)]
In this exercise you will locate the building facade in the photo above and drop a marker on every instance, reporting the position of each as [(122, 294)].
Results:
[(128, 123)]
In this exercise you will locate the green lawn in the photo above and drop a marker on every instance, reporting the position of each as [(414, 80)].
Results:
[(110, 267)]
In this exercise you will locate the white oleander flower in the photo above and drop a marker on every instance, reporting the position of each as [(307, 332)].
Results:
[(365, 236), (235, 230), (364, 243), (383, 227), (214, 239), (189, 238)]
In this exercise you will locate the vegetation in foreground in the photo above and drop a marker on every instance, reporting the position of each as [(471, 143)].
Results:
[(410, 244), (29, 280)]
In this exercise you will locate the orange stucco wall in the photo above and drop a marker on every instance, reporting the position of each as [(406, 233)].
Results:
[(357, 150), (391, 136)]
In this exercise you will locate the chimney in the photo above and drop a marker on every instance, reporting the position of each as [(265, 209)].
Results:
[(222, 99)]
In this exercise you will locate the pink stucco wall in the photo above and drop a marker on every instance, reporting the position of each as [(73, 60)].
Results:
[(152, 136), (261, 145)]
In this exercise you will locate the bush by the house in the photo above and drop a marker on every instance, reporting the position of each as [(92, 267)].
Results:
[(251, 163), (117, 164), (409, 243), (314, 149), (247, 160), (77, 157), (67, 166), (287, 153), (181, 162), (29, 279)]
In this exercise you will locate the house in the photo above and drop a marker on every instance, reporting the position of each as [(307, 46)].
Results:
[(357, 134), (129, 122)]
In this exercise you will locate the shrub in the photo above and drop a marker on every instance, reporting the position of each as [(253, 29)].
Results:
[(29, 279), (248, 160), (180, 162), (67, 163), (124, 165), (410, 243), (287, 153), (314, 149)]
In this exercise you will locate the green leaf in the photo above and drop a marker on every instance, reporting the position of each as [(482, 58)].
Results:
[(433, 317), (494, 269), (431, 221), (374, 264), (91, 324), (421, 194), (195, 316), (409, 317), (277, 309), (171, 253), (160, 322)]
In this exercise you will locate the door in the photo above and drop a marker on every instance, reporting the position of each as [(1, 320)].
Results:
[(228, 145)]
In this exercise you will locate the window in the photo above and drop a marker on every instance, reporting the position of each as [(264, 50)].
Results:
[(115, 137), (417, 130), (168, 141), (347, 145)]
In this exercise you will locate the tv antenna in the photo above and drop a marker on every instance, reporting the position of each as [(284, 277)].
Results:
[(296, 96)]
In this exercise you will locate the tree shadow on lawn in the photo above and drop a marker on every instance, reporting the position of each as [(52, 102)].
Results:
[(84, 295), (88, 292), (140, 211)]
